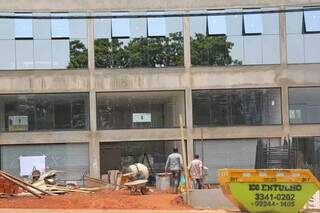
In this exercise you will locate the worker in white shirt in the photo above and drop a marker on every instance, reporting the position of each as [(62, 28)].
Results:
[(196, 172), (139, 171)]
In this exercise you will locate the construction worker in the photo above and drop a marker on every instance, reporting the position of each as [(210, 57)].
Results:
[(139, 171), (174, 165), (196, 172)]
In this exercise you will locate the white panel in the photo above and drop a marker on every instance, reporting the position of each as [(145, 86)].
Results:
[(173, 25), (252, 50), (23, 27), (312, 48), (60, 27), (198, 25), (234, 23), (41, 27), (295, 49), (7, 27), (270, 22), (294, 22), (156, 25), (24, 54), (120, 27), (237, 49), (60, 54), (271, 49), (42, 54), (78, 27), (7, 61), (138, 27), (102, 27)]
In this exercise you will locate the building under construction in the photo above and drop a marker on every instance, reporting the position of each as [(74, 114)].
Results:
[(89, 86)]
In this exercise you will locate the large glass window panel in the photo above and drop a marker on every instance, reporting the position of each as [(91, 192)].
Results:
[(236, 107), (252, 23), (217, 24), (41, 27), (120, 155), (120, 26), (78, 54), (23, 27), (126, 110), (44, 112), (138, 27), (42, 55), (24, 54), (8, 60), (72, 159), (78, 27), (60, 53), (102, 27), (7, 27), (304, 105), (59, 27), (312, 21), (156, 25)]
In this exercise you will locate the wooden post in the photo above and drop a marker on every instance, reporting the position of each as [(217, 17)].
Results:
[(184, 156)]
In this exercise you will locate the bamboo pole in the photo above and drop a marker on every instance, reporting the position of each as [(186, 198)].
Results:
[(184, 156)]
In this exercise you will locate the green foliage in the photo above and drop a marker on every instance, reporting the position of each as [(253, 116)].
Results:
[(211, 50), (78, 55)]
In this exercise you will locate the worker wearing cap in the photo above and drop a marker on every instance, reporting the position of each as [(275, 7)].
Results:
[(139, 171), (174, 165)]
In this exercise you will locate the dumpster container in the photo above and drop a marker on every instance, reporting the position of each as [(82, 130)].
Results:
[(268, 190)]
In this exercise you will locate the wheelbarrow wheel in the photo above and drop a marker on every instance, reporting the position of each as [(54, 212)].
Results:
[(144, 190)]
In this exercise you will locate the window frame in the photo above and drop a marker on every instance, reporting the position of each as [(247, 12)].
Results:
[(21, 19), (208, 25), (304, 25), (244, 33)]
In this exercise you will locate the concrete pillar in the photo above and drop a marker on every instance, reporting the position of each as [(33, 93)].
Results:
[(2, 117), (283, 38), (94, 148), (188, 91), (285, 110)]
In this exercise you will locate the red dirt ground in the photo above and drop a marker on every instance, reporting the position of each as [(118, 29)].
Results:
[(106, 199)]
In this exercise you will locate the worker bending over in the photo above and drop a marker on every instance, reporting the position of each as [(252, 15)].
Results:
[(138, 171)]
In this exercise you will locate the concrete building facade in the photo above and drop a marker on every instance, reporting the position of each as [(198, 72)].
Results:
[(265, 90)]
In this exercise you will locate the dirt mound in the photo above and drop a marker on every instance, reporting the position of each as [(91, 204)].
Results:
[(106, 199)]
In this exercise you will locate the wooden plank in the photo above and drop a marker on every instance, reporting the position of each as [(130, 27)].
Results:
[(27, 184)]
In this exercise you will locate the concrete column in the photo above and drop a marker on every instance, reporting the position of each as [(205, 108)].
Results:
[(2, 117), (285, 110), (94, 148), (188, 91), (283, 38)]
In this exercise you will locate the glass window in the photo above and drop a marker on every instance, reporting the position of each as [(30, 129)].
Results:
[(217, 24), (157, 25), (120, 155), (304, 105), (312, 21), (33, 112), (23, 27), (126, 110), (252, 23), (236, 107), (59, 27), (72, 159), (120, 26)]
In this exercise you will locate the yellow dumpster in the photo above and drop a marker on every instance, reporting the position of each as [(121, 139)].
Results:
[(268, 190)]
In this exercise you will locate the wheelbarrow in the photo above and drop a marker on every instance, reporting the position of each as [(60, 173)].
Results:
[(137, 187)]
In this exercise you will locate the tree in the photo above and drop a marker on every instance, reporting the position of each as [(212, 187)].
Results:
[(78, 55)]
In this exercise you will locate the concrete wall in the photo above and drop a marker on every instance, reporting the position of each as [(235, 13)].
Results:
[(184, 78)]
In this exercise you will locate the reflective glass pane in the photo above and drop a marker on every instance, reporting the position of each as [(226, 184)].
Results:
[(120, 26), (304, 105), (252, 23), (23, 27), (157, 26), (236, 107), (312, 21), (130, 110), (59, 27), (217, 25), (78, 54), (44, 112)]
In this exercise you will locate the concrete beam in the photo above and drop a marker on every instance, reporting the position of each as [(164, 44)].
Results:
[(109, 5)]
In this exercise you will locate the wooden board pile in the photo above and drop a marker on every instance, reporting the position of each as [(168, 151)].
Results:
[(45, 185)]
